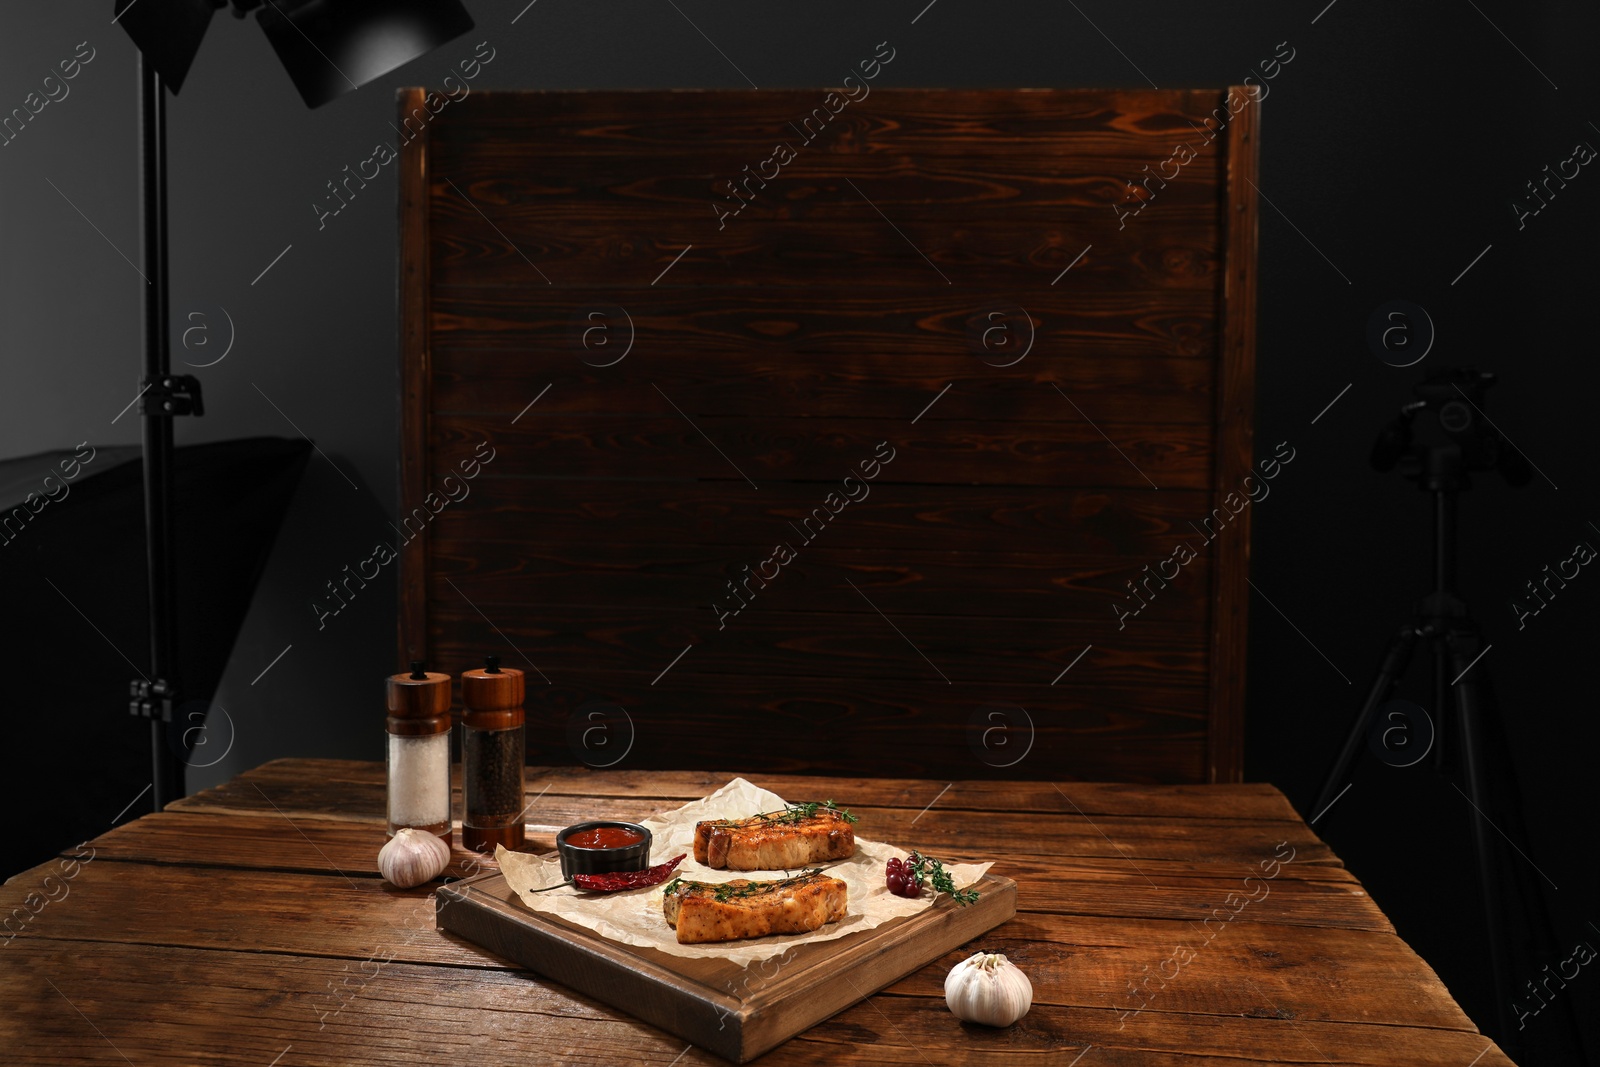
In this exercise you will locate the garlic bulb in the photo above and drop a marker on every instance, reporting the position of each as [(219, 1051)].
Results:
[(412, 857), (988, 989)]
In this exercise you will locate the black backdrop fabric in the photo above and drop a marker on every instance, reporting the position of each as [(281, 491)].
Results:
[(73, 586)]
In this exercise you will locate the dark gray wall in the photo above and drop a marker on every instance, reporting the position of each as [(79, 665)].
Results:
[(1391, 148)]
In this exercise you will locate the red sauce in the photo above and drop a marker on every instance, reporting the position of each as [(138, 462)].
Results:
[(605, 837)]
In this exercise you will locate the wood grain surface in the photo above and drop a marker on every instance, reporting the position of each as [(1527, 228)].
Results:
[(1055, 341), (248, 925), (734, 1011)]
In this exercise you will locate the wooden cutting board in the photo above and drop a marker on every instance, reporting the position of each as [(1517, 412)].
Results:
[(734, 1011)]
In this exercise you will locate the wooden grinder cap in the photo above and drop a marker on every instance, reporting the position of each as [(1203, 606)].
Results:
[(492, 687), (419, 695)]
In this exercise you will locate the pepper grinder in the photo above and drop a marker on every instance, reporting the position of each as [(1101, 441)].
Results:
[(492, 748), (419, 752)]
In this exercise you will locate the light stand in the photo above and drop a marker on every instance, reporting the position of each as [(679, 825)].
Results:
[(162, 397), (327, 47)]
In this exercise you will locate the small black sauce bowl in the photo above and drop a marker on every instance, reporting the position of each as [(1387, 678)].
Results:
[(576, 860)]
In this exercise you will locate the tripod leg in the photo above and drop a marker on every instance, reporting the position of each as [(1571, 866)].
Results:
[(1526, 897), (1443, 670), (1469, 716), (1395, 661)]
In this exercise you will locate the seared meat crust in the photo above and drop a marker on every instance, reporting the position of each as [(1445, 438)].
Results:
[(752, 909), (774, 842)]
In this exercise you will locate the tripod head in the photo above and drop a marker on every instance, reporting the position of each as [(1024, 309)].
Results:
[(1455, 441)]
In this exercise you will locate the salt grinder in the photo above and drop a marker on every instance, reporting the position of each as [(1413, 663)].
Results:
[(492, 749), (419, 752)]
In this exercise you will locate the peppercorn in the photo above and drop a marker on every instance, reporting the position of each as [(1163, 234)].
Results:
[(492, 750)]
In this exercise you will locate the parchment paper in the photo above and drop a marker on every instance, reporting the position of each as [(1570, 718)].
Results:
[(634, 916)]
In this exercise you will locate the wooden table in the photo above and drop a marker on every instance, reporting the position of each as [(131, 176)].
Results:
[(248, 925)]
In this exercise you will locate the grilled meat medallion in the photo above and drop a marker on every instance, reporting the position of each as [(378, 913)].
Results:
[(778, 841), (731, 911)]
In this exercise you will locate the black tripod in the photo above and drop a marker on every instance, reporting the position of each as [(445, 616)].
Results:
[(1441, 621)]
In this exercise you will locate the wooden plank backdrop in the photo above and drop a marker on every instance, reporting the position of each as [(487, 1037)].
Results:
[(1029, 342)]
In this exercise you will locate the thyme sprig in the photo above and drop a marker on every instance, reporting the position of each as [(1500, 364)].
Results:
[(726, 891), (926, 868), (794, 813)]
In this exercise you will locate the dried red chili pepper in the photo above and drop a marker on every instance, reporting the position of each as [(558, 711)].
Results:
[(610, 883)]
